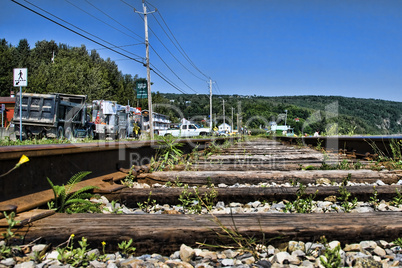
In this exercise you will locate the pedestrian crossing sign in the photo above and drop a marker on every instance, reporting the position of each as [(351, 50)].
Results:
[(20, 77)]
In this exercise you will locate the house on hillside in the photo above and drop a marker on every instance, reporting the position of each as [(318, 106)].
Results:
[(160, 121), (225, 127)]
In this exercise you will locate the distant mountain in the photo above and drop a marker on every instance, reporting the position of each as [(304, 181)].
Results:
[(306, 114)]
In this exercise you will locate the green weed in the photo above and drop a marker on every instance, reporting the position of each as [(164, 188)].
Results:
[(6, 250), (397, 200), (374, 198), (148, 204), (126, 247), (303, 203), (333, 257), (69, 201), (344, 195), (168, 153)]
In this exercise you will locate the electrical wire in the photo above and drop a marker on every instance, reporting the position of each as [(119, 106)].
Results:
[(174, 58), (184, 54), (71, 30), (121, 46), (170, 51), (127, 4), (168, 65), (138, 57), (171, 69), (110, 17), (102, 21), (179, 48), (111, 48), (217, 87), (166, 79)]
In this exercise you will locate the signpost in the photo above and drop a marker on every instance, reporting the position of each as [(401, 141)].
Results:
[(3, 108), (20, 80), (142, 90)]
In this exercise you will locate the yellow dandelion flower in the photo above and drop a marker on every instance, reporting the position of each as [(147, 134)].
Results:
[(103, 243), (23, 160), (72, 235)]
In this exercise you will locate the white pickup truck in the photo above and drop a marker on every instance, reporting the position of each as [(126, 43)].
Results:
[(186, 130)]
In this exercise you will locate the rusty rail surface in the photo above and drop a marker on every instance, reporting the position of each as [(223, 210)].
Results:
[(59, 162)]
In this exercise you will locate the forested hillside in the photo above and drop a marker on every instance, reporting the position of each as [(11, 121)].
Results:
[(60, 68), (306, 114)]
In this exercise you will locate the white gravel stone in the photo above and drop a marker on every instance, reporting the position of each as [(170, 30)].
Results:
[(8, 262), (380, 183), (52, 255), (334, 244), (281, 257), (379, 251), (367, 245), (186, 253), (38, 247), (383, 207), (227, 262)]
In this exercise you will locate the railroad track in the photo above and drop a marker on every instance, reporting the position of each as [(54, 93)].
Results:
[(267, 170)]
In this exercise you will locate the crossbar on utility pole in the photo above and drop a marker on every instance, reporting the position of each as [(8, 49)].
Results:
[(151, 123)]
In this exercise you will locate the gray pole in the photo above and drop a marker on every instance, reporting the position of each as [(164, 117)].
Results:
[(223, 113), (20, 113), (151, 123), (210, 105), (232, 119), (286, 116)]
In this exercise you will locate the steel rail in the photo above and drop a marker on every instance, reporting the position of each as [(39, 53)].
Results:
[(59, 162), (357, 145)]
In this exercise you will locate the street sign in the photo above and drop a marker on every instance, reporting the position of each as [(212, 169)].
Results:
[(142, 90), (20, 77)]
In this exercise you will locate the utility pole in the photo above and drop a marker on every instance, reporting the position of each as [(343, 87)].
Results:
[(223, 102), (239, 123), (210, 105), (232, 119), (286, 116), (151, 123)]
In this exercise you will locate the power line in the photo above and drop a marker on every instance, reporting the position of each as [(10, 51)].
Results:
[(181, 50), (71, 30), (102, 20), (113, 19), (171, 52), (185, 56), (111, 48), (127, 4), (121, 46), (171, 69), (166, 79), (217, 87), (168, 65), (76, 27)]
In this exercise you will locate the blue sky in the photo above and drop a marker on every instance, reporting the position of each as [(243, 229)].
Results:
[(349, 48)]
